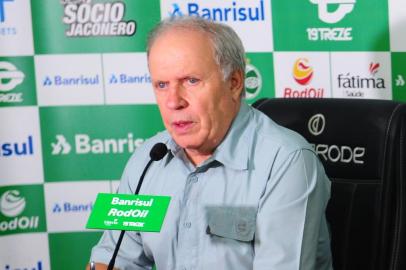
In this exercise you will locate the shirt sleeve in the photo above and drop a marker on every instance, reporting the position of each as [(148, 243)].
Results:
[(291, 230), (131, 255)]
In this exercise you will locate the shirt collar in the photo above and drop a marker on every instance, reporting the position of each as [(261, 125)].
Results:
[(233, 151)]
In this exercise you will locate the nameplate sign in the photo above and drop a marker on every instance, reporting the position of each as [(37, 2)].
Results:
[(128, 212)]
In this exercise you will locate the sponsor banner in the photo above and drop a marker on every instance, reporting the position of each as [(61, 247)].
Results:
[(15, 28), (69, 204), (73, 26), (397, 20), (130, 212), (302, 75), (69, 79), (331, 25), (20, 146), (259, 79), (95, 142), (368, 76), (22, 209), (242, 15), (71, 250), (127, 79), (25, 251), (399, 76), (17, 81)]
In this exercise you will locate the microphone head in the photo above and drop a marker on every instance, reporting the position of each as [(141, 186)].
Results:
[(158, 151)]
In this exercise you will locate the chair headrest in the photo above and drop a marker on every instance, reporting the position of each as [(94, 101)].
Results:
[(349, 135)]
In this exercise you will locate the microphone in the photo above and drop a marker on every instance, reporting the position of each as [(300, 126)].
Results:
[(158, 151)]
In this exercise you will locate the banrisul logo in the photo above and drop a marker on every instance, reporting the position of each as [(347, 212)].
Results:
[(83, 144), (60, 80), (86, 18), (123, 78), (302, 73), (71, 207), (84, 147), (253, 81), (21, 209), (17, 148), (399, 75), (354, 85), (233, 11), (17, 85)]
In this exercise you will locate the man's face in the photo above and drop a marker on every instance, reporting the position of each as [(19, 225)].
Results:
[(196, 104)]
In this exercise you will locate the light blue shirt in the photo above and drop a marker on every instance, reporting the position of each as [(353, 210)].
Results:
[(258, 203)]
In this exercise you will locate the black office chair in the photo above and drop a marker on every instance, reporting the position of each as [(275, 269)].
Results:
[(362, 146)]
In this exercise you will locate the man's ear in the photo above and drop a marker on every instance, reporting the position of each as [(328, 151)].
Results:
[(236, 84)]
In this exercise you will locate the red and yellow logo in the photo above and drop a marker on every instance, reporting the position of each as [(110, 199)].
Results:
[(302, 71)]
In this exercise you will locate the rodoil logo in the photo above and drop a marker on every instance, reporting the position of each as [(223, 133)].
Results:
[(12, 205), (85, 19), (302, 73), (85, 144)]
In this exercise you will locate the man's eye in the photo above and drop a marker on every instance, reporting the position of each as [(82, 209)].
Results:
[(192, 81), (161, 85)]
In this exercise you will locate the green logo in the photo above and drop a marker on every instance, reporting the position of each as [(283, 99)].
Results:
[(73, 26), (128, 212), (253, 81), (22, 209), (399, 76), (93, 142), (330, 25), (17, 81), (259, 76)]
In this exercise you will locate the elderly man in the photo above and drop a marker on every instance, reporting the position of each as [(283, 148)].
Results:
[(246, 193)]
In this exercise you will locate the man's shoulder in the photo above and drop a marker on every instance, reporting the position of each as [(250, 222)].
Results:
[(272, 136)]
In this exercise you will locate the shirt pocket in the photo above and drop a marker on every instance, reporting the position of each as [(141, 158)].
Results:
[(236, 223)]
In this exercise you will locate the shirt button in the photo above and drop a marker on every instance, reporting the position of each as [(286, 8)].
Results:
[(193, 179), (187, 224)]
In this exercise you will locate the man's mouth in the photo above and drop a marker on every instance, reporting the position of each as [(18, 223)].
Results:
[(182, 126)]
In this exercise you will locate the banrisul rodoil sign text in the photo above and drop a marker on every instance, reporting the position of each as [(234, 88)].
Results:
[(79, 26), (22, 209), (93, 142), (128, 212)]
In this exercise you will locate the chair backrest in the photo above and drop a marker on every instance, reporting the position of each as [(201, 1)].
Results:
[(362, 146)]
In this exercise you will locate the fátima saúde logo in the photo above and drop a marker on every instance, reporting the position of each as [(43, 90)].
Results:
[(10, 78), (253, 81), (12, 206), (356, 85), (84, 18)]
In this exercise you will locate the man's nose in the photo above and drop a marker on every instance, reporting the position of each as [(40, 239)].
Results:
[(175, 99)]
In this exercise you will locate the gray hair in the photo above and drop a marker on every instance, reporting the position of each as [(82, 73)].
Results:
[(229, 52)]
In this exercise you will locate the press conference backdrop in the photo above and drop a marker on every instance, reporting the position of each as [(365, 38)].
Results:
[(76, 99)]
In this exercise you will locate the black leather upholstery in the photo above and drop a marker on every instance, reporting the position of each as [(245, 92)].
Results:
[(362, 146)]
